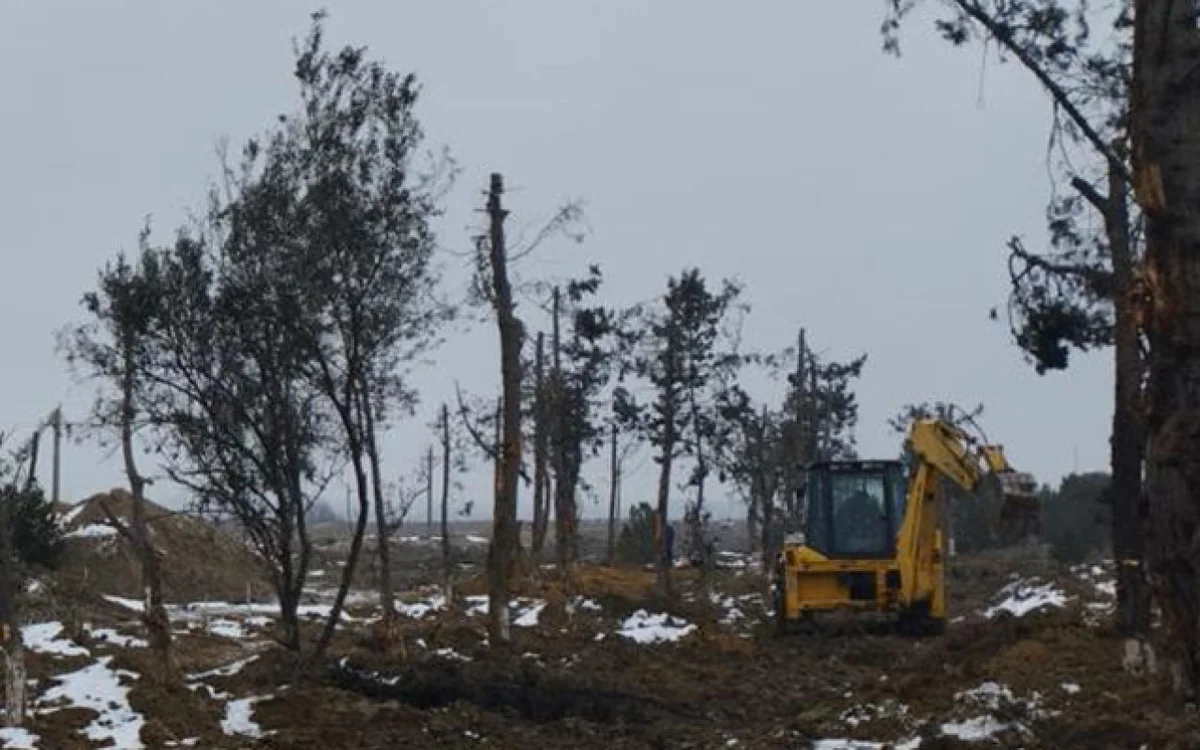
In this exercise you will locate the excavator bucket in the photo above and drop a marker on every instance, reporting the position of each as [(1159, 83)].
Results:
[(1020, 513)]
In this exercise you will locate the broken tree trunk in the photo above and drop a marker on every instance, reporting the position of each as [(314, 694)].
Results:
[(504, 514)]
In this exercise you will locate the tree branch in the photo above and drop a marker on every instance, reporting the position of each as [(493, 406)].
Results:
[(1003, 36), (1093, 196), (488, 449), (1087, 273)]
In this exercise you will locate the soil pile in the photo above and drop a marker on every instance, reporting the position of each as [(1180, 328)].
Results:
[(198, 560)]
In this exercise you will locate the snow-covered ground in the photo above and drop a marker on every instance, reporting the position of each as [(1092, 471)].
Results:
[(1023, 596)]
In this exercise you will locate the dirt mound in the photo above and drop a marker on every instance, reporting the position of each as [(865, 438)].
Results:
[(199, 561)]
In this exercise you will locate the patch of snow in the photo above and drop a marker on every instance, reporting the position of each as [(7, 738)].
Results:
[(66, 518), (478, 605), (472, 539), (98, 688), (227, 609), (17, 738), (989, 694), (92, 531), (529, 618), (1023, 597), (979, 728), (225, 670), (258, 621), (449, 653), (108, 635), (226, 628), (133, 604), (868, 712), (1070, 688), (588, 604), (42, 637), (239, 717), (186, 742), (417, 610), (643, 627)]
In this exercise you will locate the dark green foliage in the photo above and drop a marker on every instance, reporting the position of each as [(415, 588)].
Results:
[(37, 537), (684, 347), (1077, 518), (635, 545)]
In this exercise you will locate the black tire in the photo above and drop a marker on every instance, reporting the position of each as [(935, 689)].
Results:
[(917, 622)]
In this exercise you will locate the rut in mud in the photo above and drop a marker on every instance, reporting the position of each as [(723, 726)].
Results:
[(517, 691)]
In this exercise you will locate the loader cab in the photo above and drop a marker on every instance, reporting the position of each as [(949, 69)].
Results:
[(854, 509)]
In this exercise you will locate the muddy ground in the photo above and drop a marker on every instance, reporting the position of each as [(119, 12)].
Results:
[(1034, 676)]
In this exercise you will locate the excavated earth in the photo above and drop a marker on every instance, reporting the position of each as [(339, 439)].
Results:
[(1042, 671)]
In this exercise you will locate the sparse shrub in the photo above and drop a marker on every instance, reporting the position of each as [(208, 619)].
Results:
[(37, 538), (635, 545)]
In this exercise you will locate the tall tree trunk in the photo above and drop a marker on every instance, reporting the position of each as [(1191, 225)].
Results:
[(668, 412), (662, 581), (286, 581), (541, 499), (766, 498), (429, 502), (447, 571), (10, 621), (356, 450), (614, 473), (752, 511), (1166, 158), (564, 481), (389, 627), (504, 515), (56, 425), (158, 626), (1127, 443)]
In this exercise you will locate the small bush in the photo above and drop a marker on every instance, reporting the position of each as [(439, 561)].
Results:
[(635, 545), (37, 537)]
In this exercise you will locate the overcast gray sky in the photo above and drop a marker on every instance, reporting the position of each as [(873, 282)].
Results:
[(864, 197)]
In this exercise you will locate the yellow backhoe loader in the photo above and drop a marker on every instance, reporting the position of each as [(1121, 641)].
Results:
[(873, 538)]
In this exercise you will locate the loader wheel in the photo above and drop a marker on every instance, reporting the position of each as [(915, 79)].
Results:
[(917, 622), (781, 623)]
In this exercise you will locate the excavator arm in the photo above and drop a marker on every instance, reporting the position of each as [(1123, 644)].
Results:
[(941, 450)]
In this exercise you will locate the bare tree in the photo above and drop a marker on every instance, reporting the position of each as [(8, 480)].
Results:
[(493, 266)]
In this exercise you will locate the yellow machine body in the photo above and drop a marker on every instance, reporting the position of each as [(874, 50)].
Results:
[(888, 557)]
